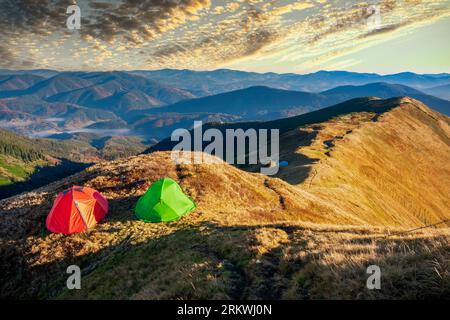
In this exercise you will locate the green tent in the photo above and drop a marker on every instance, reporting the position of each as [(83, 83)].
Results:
[(163, 201)]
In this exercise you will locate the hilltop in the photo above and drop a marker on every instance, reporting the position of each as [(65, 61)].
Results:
[(358, 182)]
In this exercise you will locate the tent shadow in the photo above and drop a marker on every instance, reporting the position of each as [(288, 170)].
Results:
[(123, 208)]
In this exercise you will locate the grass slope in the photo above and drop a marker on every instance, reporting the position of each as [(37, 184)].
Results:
[(393, 168), (253, 236)]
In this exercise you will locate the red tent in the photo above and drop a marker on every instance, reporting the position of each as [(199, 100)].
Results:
[(76, 210)]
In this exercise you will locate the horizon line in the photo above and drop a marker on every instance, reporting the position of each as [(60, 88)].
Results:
[(226, 69)]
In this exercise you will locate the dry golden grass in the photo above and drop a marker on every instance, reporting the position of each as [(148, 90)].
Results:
[(394, 171), (288, 261), (310, 233)]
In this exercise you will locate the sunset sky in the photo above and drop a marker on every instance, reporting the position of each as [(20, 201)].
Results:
[(253, 35)]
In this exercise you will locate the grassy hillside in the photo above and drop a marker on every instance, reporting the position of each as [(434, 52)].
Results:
[(13, 170), (19, 147), (350, 198), (18, 157), (21, 157), (29, 163)]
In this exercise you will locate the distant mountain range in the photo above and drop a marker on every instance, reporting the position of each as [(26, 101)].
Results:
[(152, 104), (440, 91), (223, 80), (266, 103)]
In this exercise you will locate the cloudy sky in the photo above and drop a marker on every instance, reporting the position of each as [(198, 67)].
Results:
[(254, 35)]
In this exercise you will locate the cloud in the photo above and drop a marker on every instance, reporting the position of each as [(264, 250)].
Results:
[(6, 56), (337, 30), (236, 37), (299, 5), (139, 21), (199, 34)]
